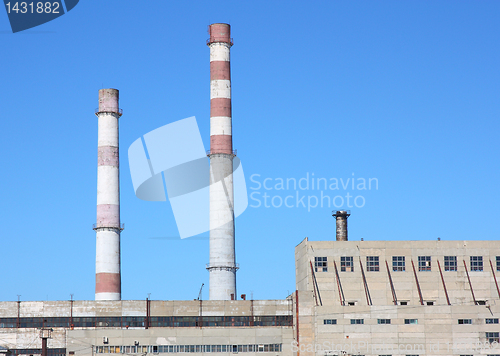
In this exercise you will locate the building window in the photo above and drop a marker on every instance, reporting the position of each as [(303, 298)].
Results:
[(498, 263), (346, 264), (402, 302), (330, 321), (411, 321), (492, 321), (424, 263), (372, 264), (398, 263), (359, 321), (476, 263), (384, 321), (492, 337), (465, 321), (320, 264), (450, 263), (429, 302), (160, 349)]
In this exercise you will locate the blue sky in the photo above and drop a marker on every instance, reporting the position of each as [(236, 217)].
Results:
[(403, 92)]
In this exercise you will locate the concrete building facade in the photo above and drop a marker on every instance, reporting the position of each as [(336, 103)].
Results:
[(148, 327), (398, 297), (352, 298)]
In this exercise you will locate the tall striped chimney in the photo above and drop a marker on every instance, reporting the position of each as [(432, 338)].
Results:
[(108, 227), (222, 266)]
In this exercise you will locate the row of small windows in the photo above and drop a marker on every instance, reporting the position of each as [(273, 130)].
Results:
[(399, 263), (155, 349), (154, 321), (407, 321), (487, 321), (50, 352), (362, 321)]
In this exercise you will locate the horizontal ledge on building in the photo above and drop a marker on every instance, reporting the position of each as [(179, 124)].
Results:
[(230, 43), (119, 112), (341, 213), (96, 227), (223, 268), (212, 152)]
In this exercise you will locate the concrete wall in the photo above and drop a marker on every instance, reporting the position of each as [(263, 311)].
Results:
[(437, 330), (81, 341), (405, 285)]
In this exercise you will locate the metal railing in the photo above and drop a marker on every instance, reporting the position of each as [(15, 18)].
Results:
[(235, 267), (101, 225), (119, 112), (341, 212), (209, 41), (209, 152)]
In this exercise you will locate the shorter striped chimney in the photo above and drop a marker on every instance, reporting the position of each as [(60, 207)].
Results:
[(108, 227)]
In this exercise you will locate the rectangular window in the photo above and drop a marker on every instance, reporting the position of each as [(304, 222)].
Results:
[(498, 263), (384, 321), (403, 302), (411, 321), (465, 321), (476, 263), (398, 263), (372, 264), (424, 263), (450, 263), (357, 321), (492, 337), (320, 264), (346, 264), (329, 321), (492, 321)]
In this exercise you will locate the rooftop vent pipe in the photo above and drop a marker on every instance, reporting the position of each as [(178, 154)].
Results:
[(341, 219)]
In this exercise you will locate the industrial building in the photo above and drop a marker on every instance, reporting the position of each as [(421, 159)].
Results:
[(398, 297), (351, 298)]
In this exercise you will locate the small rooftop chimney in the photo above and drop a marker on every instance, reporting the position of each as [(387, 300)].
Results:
[(341, 219)]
